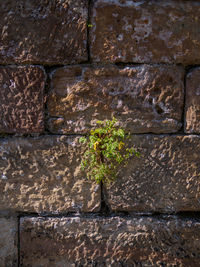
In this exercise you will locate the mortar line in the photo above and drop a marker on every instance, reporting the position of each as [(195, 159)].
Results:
[(183, 119), (88, 29), (112, 214), (102, 63), (104, 207), (47, 89), (71, 135), (18, 240)]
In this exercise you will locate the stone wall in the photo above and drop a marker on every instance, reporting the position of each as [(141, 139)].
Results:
[(66, 64)]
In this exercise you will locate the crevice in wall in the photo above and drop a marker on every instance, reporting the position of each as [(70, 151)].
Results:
[(135, 64), (21, 64), (182, 130), (182, 215), (104, 207), (165, 134), (88, 29), (188, 215), (48, 133), (190, 68), (6, 135), (53, 66), (50, 68), (179, 214), (47, 88), (18, 240), (70, 214)]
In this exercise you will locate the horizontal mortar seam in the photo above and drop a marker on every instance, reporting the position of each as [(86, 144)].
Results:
[(32, 136), (103, 64), (181, 215)]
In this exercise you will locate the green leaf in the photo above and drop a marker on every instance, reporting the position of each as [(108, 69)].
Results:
[(90, 25), (137, 154), (100, 122), (82, 140), (121, 133)]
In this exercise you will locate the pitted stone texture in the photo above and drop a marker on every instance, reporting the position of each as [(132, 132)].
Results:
[(145, 31), (111, 242), (43, 32), (8, 242), (143, 99), (43, 175), (166, 177), (192, 109), (22, 99)]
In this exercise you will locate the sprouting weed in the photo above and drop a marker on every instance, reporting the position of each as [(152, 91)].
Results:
[(90, 25), (106, 150)]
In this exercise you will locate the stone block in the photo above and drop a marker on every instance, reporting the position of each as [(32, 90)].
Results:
[(43, 175), (22, 99), (113, 242), (166, 177), (143, 98), (145, 31), (192, 102), (43, 32), (8, 242)]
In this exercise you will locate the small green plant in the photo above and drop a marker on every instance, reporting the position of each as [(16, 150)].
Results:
[(90, 25), (106, 151)]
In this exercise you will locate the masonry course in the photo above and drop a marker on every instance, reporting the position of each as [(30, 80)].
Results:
[(145, 31), (108, 241), (143, 98)]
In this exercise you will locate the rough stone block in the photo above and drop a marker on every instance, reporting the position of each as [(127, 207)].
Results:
[(22, 99), (145, 31), (43, 175), (192, 108), (143, 98), (166, 177), (8, 242), (113, 242), (43, 32)]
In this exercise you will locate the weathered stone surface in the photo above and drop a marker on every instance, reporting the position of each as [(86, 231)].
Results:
[(43, 175), (192, 109), (22, 99), (115, 242), (43, 32), (143, 98), (145, 31), (166, 177), (8, 242)]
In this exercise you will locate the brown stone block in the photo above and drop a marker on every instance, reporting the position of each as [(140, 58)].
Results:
[(43, 175), (166, 177), (145, 31), (43, 32), (192, 103), (22, 99), (143, 98), (8, 242), (113, 242)]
